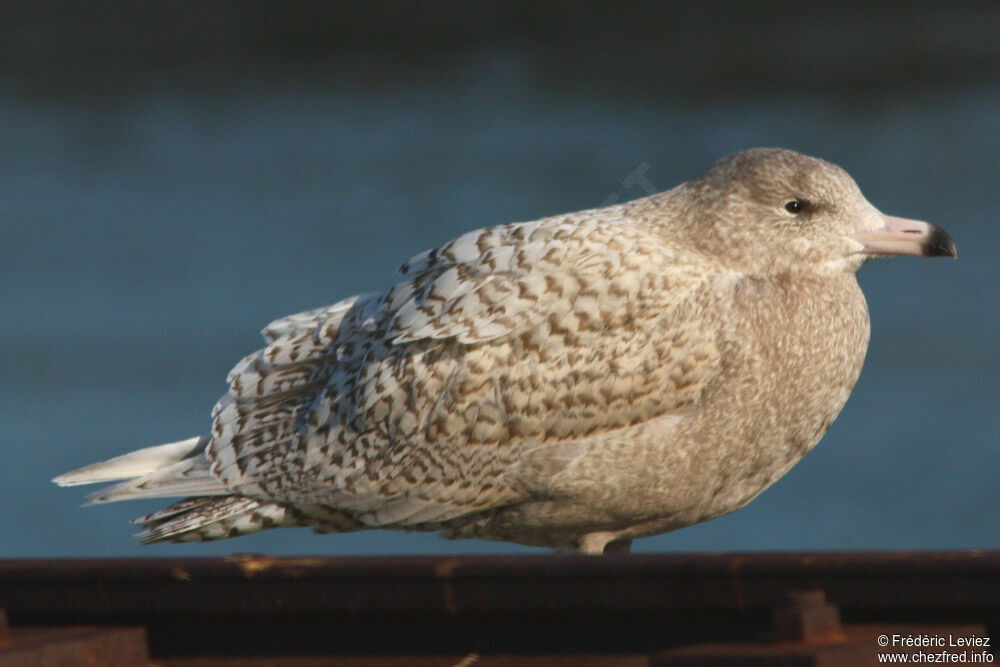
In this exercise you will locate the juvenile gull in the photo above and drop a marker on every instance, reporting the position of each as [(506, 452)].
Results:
[(574, 382)]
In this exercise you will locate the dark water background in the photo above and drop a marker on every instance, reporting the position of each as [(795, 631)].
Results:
[(171, 180)]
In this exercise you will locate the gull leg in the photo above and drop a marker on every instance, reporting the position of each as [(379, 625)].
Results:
[(596, 544), (618, 547)]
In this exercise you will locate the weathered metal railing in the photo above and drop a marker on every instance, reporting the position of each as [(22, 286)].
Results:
[(620, 609)]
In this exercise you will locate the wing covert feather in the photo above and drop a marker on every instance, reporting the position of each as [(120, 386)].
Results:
[(410, 407)]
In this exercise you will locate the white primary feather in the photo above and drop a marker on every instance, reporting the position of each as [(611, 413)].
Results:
[(165, 471), (190, 477), (133, 464)]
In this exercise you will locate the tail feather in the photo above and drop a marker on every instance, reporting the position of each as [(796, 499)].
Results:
[(204, 519), (210, 512)]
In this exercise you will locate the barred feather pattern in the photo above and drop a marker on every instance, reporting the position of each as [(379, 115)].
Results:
[(202, 519), (410, 408)]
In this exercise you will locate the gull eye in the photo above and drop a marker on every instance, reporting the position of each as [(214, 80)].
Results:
[(796, 205)]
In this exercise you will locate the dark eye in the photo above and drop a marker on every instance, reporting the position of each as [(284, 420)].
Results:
[(796, 206)]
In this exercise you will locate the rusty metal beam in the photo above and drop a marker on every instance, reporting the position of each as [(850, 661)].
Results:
[(124, 647), (257, 605)]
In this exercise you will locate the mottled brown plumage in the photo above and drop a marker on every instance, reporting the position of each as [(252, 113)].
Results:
[(575, 382)]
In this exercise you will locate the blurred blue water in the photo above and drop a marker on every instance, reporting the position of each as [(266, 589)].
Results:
[(145, 240)]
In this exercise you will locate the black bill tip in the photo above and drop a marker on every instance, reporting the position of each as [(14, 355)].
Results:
[(940, 244)]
